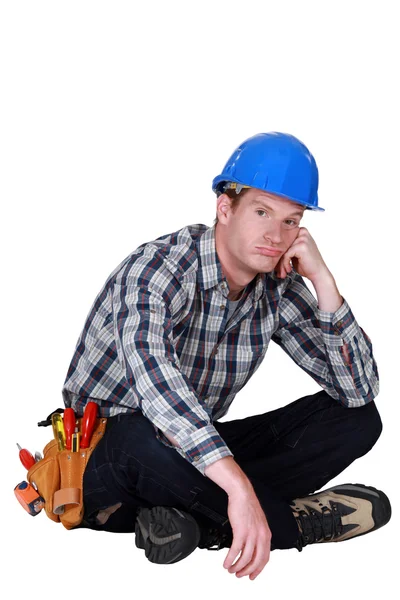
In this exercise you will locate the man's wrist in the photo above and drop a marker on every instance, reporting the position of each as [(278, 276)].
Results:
[(329, 298), (324, 277)]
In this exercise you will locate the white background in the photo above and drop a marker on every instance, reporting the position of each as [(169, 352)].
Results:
[(115, 117)]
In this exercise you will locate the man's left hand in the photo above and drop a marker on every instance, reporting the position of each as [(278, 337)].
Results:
[(305, 256)]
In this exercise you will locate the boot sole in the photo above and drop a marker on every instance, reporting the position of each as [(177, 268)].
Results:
[(166, 534)]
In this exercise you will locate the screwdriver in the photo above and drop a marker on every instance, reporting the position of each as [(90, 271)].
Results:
[(75, 440), (69, 426), (26, 457), (87, 424), (58, 430)]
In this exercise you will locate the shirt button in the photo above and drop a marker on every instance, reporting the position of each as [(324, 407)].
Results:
[(339, 324), (196, 458), (222, 307), (337, 332)]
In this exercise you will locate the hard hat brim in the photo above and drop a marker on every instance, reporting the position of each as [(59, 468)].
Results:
[(218, 180)]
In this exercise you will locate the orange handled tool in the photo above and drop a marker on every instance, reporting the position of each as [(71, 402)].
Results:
[(87, 424), (29, 498), (69, 426)]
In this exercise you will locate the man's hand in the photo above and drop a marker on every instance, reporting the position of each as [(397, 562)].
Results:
[(308, 262), (305, 257), (251, 535)]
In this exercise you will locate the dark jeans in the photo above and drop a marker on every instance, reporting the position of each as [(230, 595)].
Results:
[(286, 453)]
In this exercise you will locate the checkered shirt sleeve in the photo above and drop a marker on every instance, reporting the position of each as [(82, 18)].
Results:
[(317, 341)]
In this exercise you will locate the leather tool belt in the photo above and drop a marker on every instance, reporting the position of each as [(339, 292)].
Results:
[(58, 477)]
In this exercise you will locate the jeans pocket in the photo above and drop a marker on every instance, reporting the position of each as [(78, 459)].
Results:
[(290, 422), (291, 438), (295, 436)]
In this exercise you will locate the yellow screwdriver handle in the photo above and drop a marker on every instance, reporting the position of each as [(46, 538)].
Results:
[(58, 430)]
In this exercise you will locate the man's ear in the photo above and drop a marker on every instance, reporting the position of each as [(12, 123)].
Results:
[(223, 207)]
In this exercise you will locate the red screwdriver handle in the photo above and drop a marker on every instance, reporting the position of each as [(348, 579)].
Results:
[(87, 425), (26, 458), (69, 426)]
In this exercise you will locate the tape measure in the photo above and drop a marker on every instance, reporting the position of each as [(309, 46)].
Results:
[(29, 498)]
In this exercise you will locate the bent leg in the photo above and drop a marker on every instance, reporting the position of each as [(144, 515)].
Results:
[(298, 448), (132, 467)]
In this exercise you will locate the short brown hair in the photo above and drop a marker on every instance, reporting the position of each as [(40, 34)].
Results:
[(235, 199)]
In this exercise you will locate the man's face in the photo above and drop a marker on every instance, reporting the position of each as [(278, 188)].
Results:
[(260, 230)]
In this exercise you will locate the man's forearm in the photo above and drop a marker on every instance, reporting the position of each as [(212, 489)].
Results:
[(329, 299), (229, 476), (224, 472)]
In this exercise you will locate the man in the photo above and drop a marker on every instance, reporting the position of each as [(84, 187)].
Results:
[(178, 329)]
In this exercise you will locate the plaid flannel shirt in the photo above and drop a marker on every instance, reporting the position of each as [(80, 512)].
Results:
[(157, 340)]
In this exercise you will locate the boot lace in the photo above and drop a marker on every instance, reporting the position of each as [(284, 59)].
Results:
[(316, 526), (214, 537)]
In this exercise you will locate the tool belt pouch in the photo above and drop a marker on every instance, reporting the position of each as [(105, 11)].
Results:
[(58, 477)]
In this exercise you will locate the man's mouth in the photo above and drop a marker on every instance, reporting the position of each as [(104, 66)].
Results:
[(269, 251)]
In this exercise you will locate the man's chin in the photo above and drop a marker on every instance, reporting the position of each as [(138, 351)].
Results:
[(267, 264)]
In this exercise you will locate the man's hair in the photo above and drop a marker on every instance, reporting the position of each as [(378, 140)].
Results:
[(235, 199)]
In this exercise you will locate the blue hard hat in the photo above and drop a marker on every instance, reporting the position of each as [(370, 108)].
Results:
[(273, 162)]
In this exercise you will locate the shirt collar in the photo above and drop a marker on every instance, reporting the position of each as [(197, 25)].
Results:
[(210, 272)]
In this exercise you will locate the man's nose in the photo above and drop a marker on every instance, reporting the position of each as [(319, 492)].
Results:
[(273, 232)]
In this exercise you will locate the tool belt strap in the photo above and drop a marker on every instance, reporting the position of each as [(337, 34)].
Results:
[(63, 497)]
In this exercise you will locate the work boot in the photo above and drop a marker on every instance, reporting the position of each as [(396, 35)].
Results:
[(340, 513), (215, 538), (168, 535)]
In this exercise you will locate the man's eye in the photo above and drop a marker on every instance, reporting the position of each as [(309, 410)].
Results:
[(291, 223), (261, 211)]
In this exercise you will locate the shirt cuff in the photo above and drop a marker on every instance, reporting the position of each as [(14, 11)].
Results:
[(338, 327)]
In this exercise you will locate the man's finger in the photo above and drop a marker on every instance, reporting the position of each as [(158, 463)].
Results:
[(258, 562), (245, 558), (251, 566), (234, 551)]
